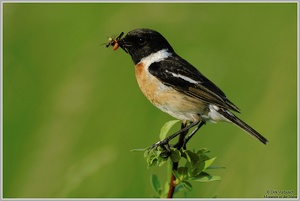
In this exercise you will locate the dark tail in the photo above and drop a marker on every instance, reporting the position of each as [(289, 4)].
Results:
[(242, 125)]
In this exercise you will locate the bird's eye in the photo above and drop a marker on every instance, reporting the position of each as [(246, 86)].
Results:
[(141, 41)]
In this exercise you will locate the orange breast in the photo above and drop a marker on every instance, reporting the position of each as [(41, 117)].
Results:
[(168, 99), (147, 83)]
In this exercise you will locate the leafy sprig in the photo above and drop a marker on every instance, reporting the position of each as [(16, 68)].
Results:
[(191, 165)]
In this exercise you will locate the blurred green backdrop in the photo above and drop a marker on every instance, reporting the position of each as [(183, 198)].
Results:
[(73, 110)]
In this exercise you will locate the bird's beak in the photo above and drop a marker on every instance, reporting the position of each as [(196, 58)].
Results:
[(124, 45)]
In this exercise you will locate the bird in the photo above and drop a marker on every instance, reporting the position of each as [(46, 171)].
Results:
[(176, 87)]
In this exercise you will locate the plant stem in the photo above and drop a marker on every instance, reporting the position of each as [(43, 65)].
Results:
[(175, 164)]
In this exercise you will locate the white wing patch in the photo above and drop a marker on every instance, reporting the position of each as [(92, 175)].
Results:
[(183, 77)]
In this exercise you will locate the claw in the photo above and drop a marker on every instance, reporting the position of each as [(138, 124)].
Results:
[(163, 144), (154, 146)]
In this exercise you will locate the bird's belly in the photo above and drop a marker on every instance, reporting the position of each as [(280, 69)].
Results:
[(179, 105)]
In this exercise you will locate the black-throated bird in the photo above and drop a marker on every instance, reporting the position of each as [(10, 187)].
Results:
[(176, 87)]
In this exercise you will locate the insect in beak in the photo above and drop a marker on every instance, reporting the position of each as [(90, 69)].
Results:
[(112, 41)]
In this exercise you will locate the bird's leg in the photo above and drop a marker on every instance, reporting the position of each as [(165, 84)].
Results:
[(181, 140), (193, 133), (165, 142)]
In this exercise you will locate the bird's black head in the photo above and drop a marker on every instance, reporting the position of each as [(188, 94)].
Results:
[(142, 42)]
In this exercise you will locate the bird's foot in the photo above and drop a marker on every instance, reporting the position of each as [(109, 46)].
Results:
[(164, 144)]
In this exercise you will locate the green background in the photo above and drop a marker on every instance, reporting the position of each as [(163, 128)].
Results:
[(72, 109)]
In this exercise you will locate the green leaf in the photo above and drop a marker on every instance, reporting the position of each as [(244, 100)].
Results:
[(166, 191), (138, 150), (165, 129), (182, 173), (215, 167), (196, 164), (208, 162), (202, 151), (175, 155), (183, 185), (178, 188), (146, 154), (194, 170), (177, 176), (191, 156), (205, 177), (151, 161), (187, 185), (161, 161), (156, 157), (156, 184), (152, 157)]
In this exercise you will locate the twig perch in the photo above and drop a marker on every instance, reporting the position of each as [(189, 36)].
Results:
[(175, 164)]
